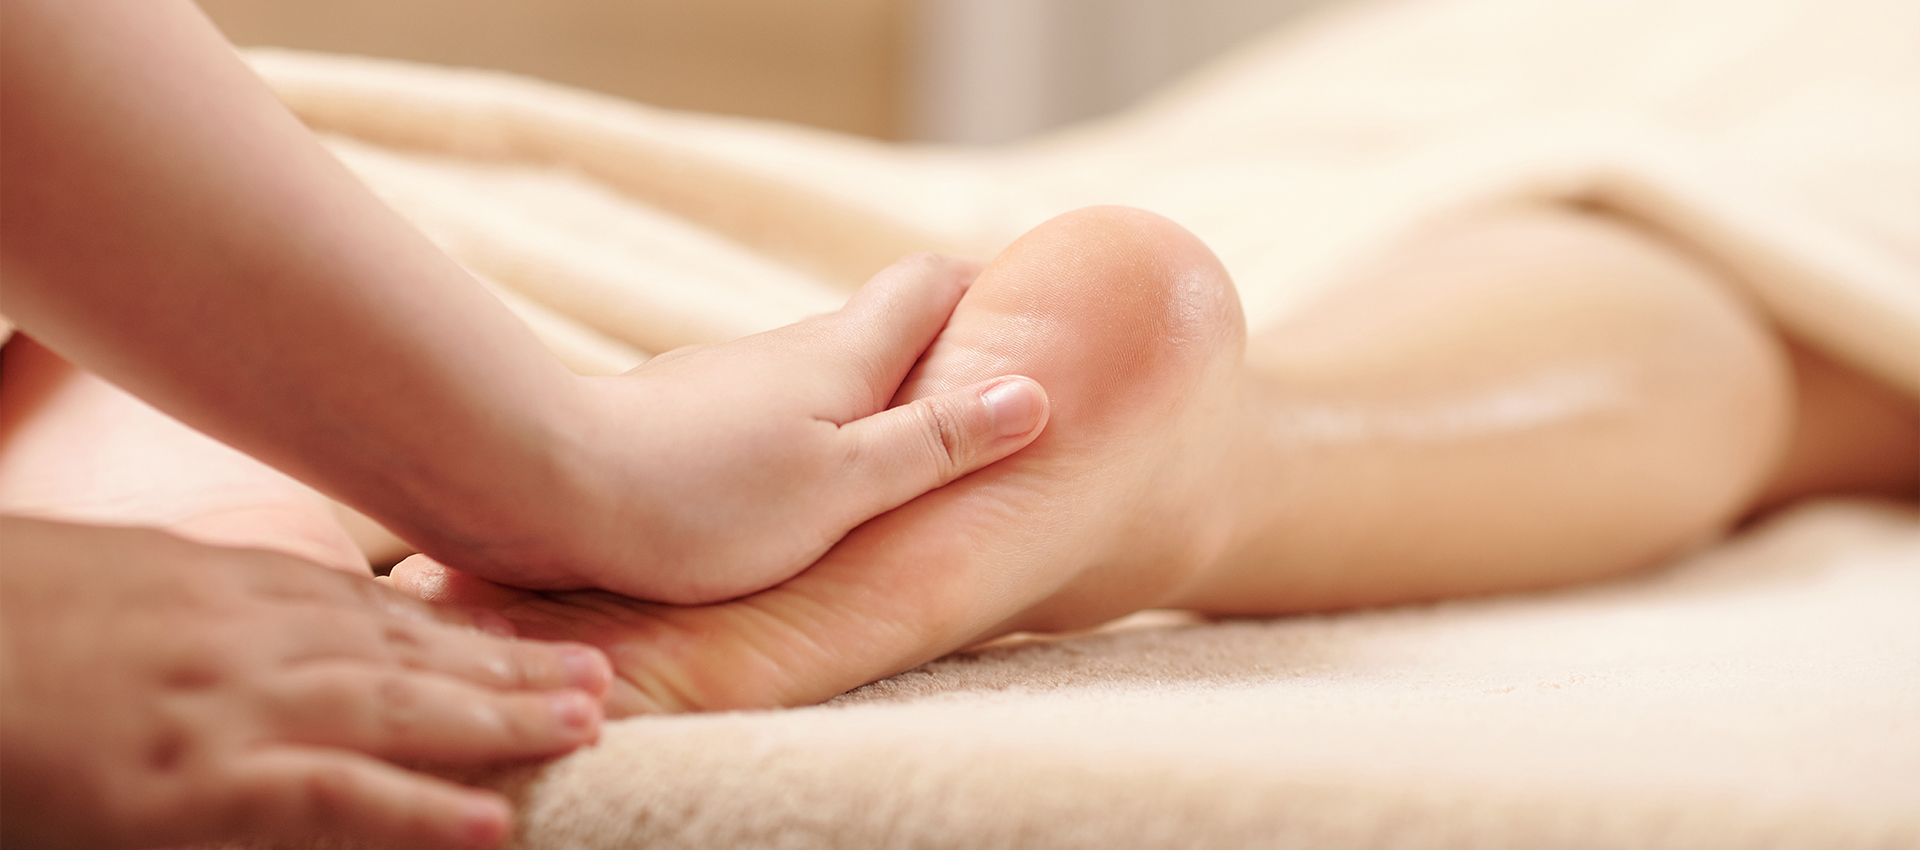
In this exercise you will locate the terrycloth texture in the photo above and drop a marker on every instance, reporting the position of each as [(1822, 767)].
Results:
[(1765, 693)]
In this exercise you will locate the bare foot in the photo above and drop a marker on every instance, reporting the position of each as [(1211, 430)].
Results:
[(1135, 329)]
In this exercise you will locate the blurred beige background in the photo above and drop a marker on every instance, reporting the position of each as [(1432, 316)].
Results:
[(940, 70), (831, 63)]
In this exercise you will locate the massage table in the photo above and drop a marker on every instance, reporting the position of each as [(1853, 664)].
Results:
[(1760, 692)]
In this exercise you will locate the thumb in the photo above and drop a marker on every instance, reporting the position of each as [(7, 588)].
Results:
[(903, 452)]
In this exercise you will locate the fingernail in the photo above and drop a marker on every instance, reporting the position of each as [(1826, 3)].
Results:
[(491, 623), (573, 709), (586, 669), (1015, 405), (484, 821)]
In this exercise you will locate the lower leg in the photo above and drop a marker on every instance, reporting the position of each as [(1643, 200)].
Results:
[(1536, 397)]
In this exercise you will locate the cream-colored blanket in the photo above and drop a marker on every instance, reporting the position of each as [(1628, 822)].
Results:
[(1763, 693)]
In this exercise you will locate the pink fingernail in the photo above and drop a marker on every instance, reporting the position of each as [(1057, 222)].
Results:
[(573, 709), (484, 821), (586, 669), (1015, 405)]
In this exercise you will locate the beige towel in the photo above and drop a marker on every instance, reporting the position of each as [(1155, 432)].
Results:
[(1765, 693)]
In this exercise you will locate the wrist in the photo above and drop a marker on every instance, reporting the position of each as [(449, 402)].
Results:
[(512, 507)]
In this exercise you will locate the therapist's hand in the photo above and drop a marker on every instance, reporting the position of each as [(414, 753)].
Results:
[(159, 691), (1134, 329), (714, 471)]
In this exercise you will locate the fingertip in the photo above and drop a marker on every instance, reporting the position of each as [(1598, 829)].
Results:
[(923, 285), (1017, 407), (439, 585), (890, 322), (925, 262), (932, 441), (578, 713), (968, 269), (484, 820), (419, 576), (587, 668)]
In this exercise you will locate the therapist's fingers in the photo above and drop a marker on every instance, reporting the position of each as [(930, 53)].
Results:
[(897, 454), (902, 591), (884, 328), (419, 716), (304, 792), (489, 661)]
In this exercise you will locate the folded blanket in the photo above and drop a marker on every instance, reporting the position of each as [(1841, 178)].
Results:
[(1775, 138), (1763, 693)]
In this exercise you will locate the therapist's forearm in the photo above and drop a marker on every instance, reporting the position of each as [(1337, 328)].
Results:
[(168, 224)]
